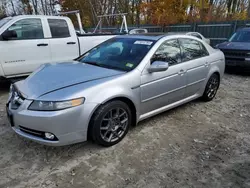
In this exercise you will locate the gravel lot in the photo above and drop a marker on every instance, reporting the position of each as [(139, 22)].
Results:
[(196, 145)]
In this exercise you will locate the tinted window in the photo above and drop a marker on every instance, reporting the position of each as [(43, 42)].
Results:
[(28, 29), (59, 28), (240, 36), (169, 52), (118, 53), (191, 49)]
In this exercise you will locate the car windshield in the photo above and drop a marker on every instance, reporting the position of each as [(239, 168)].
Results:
[(118, 53), (4, 21), (240, 36)]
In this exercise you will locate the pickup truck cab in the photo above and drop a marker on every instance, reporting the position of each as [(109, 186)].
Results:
[(26, 42)]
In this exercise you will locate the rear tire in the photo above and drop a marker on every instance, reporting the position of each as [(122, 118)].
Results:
[(110, 123), (211, 87)]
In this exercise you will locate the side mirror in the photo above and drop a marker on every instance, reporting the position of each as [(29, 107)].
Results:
[(9, 35), (158, 66)]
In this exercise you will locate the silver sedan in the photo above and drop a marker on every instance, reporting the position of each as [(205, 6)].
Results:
[(112, 87)]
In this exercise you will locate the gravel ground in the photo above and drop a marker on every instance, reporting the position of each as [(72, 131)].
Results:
[(196, 145)]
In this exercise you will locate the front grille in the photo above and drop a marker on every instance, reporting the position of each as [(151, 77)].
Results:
[(35, 133), (236, 53)]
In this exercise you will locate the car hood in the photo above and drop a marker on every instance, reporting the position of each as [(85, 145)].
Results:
[(234, 46), (52, 77)]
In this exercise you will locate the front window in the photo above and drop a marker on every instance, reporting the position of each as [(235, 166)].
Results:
[(169, 52), (123, 54), (28, 29), (4, 21), (240, 36)]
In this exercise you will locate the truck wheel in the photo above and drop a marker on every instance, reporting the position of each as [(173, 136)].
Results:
[(110, 123)]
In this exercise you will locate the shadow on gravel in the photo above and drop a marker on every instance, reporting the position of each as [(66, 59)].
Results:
[(4, 84)]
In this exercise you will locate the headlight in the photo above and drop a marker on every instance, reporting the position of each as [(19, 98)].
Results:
[(55, 105)]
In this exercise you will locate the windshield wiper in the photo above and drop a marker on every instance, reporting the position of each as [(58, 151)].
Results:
[(91, 63), (112, 67), (103, 65)]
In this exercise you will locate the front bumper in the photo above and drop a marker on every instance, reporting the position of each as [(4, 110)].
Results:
[(241, 63), (69, 125)]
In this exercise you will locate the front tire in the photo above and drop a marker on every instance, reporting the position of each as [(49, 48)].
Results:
[(110, 123), (211, 87)]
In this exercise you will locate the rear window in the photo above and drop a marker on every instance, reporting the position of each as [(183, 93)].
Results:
[(192, 49), (59, 28)]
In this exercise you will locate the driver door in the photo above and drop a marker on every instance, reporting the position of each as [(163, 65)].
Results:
[(159, 89), (27, 51)]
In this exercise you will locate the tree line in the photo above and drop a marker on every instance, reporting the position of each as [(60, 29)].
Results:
[(159, 12)]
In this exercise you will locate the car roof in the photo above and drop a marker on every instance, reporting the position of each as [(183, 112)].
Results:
[(144, 36), (39, 16), (150, 36)]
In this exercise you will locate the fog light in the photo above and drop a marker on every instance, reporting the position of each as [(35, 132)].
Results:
[(49, 136)]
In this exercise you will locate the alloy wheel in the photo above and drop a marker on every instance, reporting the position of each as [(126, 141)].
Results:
[(212, 87), (114, 124)]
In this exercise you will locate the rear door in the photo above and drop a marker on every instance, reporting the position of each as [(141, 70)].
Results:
[(63, 41), (196, 62), (23, 54)]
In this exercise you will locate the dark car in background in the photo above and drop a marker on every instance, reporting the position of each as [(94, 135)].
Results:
[(237, 50)]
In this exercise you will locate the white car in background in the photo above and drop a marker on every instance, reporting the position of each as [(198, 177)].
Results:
[(198, 35), (194, 34), (138, 31)]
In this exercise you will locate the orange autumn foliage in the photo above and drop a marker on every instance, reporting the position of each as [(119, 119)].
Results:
[(164, 12)]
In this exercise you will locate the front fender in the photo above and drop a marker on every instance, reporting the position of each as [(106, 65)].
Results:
[(118, 92)]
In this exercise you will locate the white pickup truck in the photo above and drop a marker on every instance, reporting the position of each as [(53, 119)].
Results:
[(26, 42)]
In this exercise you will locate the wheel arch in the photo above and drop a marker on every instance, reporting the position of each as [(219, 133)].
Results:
[(124, 99)]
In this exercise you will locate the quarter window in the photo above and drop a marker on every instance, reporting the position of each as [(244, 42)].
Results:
[(169, 52), (59, 28), (192, 49), (28, 29)]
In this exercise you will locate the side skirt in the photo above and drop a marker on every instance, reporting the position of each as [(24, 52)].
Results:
[(168, 107)]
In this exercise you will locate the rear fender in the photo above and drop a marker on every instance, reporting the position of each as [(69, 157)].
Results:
[(213, 69)]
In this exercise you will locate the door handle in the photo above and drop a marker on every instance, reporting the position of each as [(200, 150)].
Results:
[(71, 43), (206, 64), (42, 44), (181, 72)]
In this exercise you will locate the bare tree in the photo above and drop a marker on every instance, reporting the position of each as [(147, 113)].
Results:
[(35, 6), (13, 7)]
